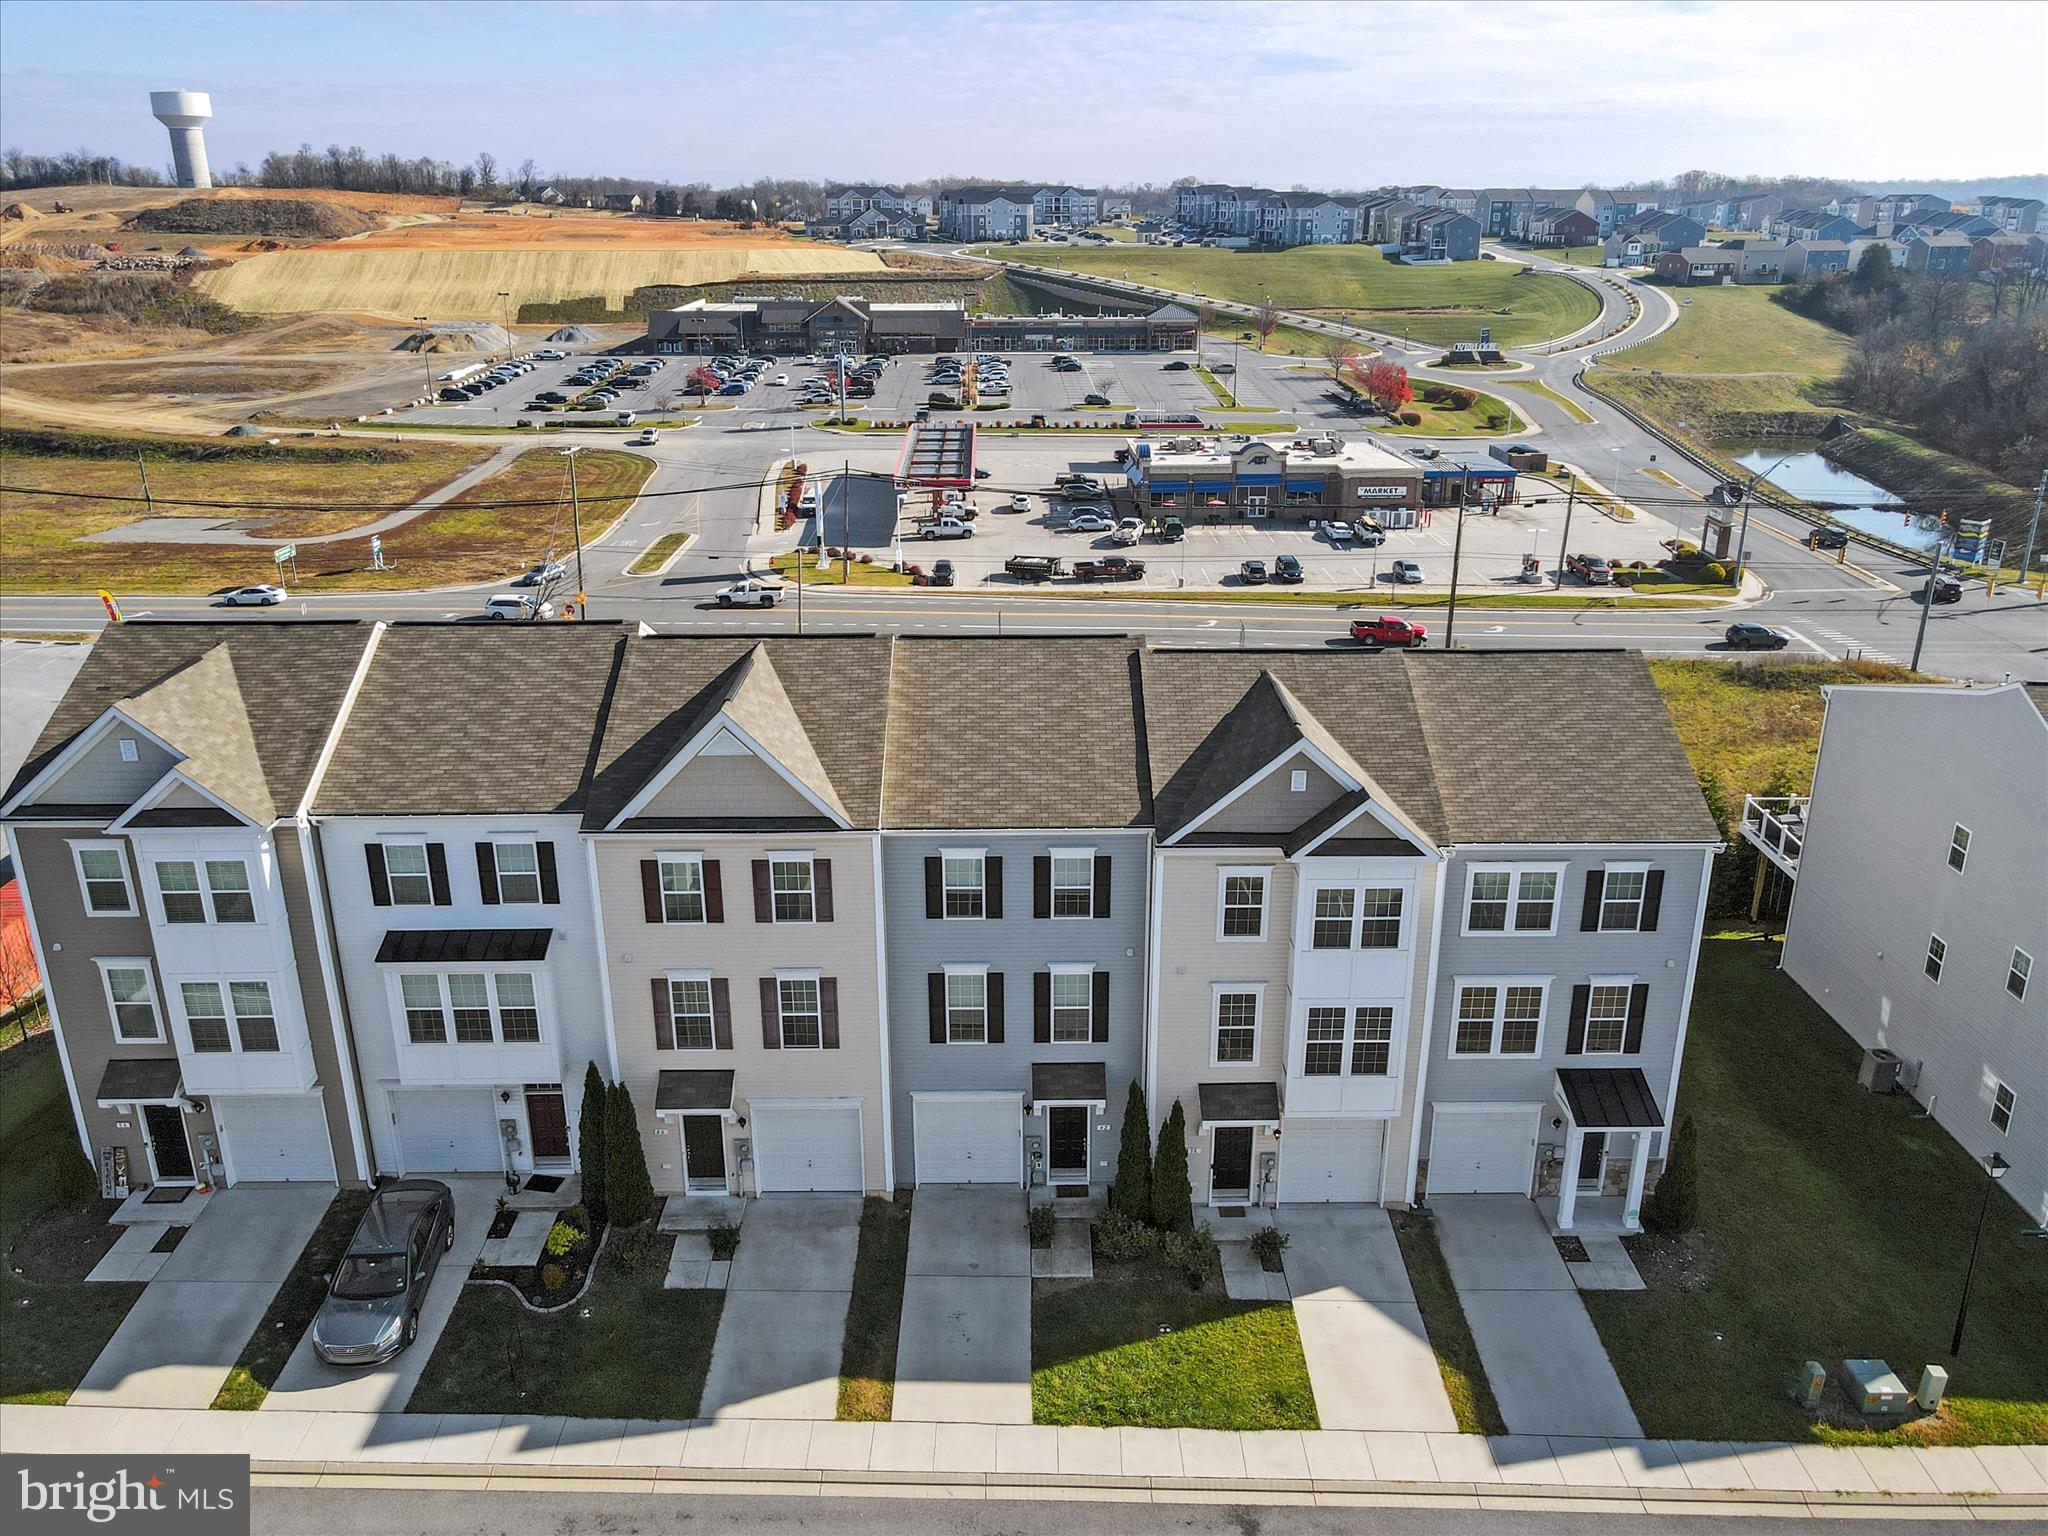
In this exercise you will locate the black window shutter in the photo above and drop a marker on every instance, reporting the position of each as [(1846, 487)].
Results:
[(437, 874), (380, 882), (721, 1014), (934, 886), (550, 882), (828, 1012), (1100, 1031), (487, 873), (650, 889), (995, 1007), (1638, 1013), (1102, 864), (821, 873), (1041, 1007), (1041, 886), (935, 989), (1575, 1036), (664, 1019), (771, 1016), (1653, 900), (1589, 909), (992, 885), (714, 893), (764, 912)]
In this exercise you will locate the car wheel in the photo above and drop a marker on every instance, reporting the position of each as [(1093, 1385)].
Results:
[(767, 602), (448, 1237), (724, 601), (412, 1327)]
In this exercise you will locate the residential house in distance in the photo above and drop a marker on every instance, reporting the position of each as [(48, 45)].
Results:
[(1919, 915), (1700, 265), (1809, 224), (1751, 212), (849, 202), (2014, 215), (1808, 259), (874, 224), (1064, 207), (1553, 224), (1440, 234), (2027, 252), (1610, 210), (1939, 255), (987, 213), (1640, 240), (622, 202)]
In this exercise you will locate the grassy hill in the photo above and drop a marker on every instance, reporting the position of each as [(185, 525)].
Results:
[(1739, 330)]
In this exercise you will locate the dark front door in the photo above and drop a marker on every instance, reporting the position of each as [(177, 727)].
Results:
[(1068, 1134), (167, 1144), (704, 1149), (1590, 1154), (547, 1120), (1230, 1169)]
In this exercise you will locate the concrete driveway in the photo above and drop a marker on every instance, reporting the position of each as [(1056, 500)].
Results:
[(965, 1352), (1549, 1371), (307, 1384), (783, 1330), (179, 1341), (1369, 1357)]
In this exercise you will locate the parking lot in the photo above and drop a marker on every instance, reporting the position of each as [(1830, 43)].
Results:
[(660, 395)]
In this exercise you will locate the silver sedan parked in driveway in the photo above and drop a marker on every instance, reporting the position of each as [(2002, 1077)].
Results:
[(372, 1310)]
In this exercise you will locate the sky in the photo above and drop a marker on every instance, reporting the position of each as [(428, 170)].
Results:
[(1277, 92)]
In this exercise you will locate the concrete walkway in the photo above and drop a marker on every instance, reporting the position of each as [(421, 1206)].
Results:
[(783, 1330), (1369, 1357), (178, 1342), (965, 1352), (1548, 1369)]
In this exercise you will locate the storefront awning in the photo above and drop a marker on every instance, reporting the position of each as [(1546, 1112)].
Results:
[(1069, 1082), (1609, 1099), (139, 1080), (699, 1091), (1238, 1104), (460, 946)]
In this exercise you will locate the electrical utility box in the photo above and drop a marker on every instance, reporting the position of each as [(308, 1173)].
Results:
[(1933, 1387), (1809, 1384), (1873, 1388)]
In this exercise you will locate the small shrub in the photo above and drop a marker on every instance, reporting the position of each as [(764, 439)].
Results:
[(1122, 1240), (1411, 418), (553, 1277), (1173, 1200), (1460, 399), (1713, 570), (562, 1237), (1674, 1205), (1268, 1243), (1039, 1223), (630, 1250), (1130, 1194), (1498, 420), (1192, 1253), (724, 1239)]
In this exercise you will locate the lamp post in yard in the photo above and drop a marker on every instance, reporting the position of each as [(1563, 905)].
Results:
[(1996, 1167)]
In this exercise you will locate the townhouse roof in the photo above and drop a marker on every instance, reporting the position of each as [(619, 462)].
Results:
[(992, 731), (251, 721), (462, 719)]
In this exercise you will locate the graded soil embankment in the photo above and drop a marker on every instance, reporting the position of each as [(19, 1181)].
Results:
[(284, 217)]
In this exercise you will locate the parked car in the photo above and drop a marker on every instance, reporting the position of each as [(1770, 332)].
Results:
[(779, 379), (942, 574), (541, 575), (750, 592), (946, 528), (517, 605), (1109, 568), (1095, 399), (1178, 365), (1370, 534), (265, 594), (647, 438), (372, 1308), (1755, 637), (1020, 503), (1406, 573), (1127, 531), (1339, 533), (1388, 629), (1172, 530), (1592, 569), (1287, 570), (1828, 538), (1089, 522), (1252, 573), (1032, 567)]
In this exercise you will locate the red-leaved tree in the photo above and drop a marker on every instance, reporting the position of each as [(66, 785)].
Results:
[(1387, 386)]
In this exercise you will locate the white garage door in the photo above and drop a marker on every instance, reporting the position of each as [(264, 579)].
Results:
[(970, 1141), (803, 1145), (448, 1130), (1330, 1159), (275, 1138), (1483, 1150)]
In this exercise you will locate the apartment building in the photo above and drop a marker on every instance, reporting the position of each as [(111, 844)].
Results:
[(2013, 215), (1642, 239), (845, 203)]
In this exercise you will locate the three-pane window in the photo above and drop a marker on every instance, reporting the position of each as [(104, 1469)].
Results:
[(105, 879), (1606, 1020), (1073, 885), (689, 1006), (963, 875), (1244, 906), (518, 867), (468, 998), (405, 870), (802, 1023), (1073, 1007), (1621, 900), (966, 1007), (794, 896), (682, 891), (1237, 1025)]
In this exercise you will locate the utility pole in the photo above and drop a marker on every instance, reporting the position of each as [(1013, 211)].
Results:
[(1564, 545), (845, 521), (1934, 563), (2033, 527), (1457, 548), (426, 360), (149, 502), (576, 524)]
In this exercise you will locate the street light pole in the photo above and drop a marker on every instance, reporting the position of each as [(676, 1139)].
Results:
[(1934, 564), (1996, 1167), (1564, 545), (1457, 548), (426, 360), (576, 524)]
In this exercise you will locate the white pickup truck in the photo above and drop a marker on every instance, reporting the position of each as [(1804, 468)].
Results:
[(751, 592), (946, 528)]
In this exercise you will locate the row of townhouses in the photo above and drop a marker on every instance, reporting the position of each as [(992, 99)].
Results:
[(327, 901), (1779, 261), (1411, 222), (1017, 212)]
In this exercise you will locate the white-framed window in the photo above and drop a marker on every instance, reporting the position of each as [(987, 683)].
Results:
[(406, 872), (518, 867), (1323, 1052), (131, 999), (425, 1021), (1336, 907), (1510, 898), (1379, 917), (2003, 1103), (963, 879), (518, 1010), (469, 1001), (1372, 1040), (227, 887), (485, 1008), (682, 888), (1339, 1039), (2017, 974), (1241, 903), (206, 1017), (1500, 1016), (1622, 887), (1073, 1004), (1236, 1037), (255, 1015), (792, 889), (1959, 848), (1607, 1015), (689, 1010), (227, 891), (103, 879), (177, 888), (798, 1002), (1073, 882), (1937, 955), (967, 1005)]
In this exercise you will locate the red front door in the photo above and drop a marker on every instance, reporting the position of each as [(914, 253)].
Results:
[(547, 1121)]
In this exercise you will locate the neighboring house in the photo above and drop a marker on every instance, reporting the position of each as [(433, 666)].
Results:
[(1919, 915), (169, 876), (987, 213), (2014, 215), (1386, 956), (1939, 255), (875, 224), (1610, 210), (2020, 252), (1553, 224), (1699, 265), (622, 202), (1067, 207), (1762, 261), (1808, 224), (1808, 259), (1015, 910), (1440, 234), (1640, 240)]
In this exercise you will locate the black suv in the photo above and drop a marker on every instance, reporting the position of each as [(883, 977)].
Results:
[(1828, 538)]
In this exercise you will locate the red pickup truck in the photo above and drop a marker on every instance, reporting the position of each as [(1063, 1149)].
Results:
[(1388, 630), (1110, 568)]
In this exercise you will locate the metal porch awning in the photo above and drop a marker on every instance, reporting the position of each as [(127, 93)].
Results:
[(1070, 1082), (140, 1080), (699, 1091), (445, 946), (1609, 1099), (1255, 1104)]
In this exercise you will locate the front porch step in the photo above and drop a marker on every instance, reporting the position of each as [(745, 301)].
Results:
[(571, 1193), (700, 1213)]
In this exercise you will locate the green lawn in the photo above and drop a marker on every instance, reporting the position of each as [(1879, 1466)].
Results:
[(53, 1229), (292, 1308), (642, 1353), (1834, 1224), (1738, 330), (874, 1314), (1443, 1318), (1098, 1356)]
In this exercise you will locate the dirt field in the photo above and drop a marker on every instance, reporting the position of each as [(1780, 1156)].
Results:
[(536, 228), (196, 382)]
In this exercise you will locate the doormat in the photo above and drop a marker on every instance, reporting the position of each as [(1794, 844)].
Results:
[(1571, 1250), (544, 1183), (1237, 1211), (1070, 1191), (166, 1194)]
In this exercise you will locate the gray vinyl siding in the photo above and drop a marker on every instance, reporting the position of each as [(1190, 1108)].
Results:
[(1018, 945), (100, 777), (335, 1073)]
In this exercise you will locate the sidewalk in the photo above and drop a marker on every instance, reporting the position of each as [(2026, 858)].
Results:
[(1020, 1460)]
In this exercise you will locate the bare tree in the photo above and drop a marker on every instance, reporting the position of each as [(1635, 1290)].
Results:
[(1266, 320), (487, 171), (1341, 353), (1205, 317), (527, 176)]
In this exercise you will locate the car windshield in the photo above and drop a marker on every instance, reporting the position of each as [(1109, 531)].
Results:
[(367, 1276)]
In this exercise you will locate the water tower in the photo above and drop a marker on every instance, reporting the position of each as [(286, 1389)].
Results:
[(185, 114)]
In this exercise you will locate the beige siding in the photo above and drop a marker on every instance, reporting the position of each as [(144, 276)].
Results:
[(744, 951), (727, 786), (1271, 807)]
